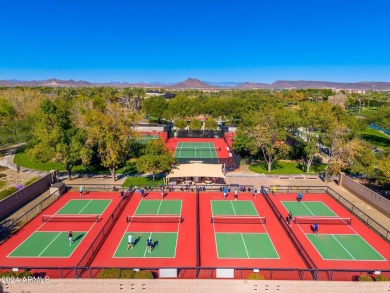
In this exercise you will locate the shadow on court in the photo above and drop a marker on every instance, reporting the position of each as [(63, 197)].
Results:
[(78, 237), (137, 240)]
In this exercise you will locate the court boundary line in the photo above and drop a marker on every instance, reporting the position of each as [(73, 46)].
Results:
[(243, 241), (84, 206), (343, 247)]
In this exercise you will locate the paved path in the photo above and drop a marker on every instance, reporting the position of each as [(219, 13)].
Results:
[(8, 161)]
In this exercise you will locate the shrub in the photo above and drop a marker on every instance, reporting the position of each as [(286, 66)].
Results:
[(24, 274), (365, 278), (127, 274), (143, 275), (2, 184), (7, 192), (255, 276), (381, 278), (111, 273), (8, 274), (3, 175), (31, 180)]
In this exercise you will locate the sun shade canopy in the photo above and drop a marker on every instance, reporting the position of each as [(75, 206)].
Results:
[(197, 170)]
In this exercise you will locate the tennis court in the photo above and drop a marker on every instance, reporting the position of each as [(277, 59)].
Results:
[(148, 137), (241, 245), (197, 151), (308, 208)]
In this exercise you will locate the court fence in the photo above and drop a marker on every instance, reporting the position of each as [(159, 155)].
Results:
[(10, 227), (193, 272), (362, 216), (90, 254)]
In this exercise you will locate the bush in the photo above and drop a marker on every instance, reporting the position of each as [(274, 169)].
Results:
[(2, 184), (381, 278), (255, 276), (30, 181), (7, 192), (8, 274), (127, 274), (111, 273), (24, 274), (143, 275), (365, 278), (3, 175)]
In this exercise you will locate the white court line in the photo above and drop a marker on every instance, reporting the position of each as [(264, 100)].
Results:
[(158, 210), (307, 208), (233, 208), (343, 247), (246, 250), (49, 244), (84, 206)]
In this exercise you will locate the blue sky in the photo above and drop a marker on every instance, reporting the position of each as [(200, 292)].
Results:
[(169, 41)]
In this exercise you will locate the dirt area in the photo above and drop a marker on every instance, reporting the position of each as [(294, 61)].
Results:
[(12, 178)]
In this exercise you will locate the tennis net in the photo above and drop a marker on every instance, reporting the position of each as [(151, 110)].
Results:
[(196, 149), (323, 220), (70, 218), (155, 219), (239, 219)]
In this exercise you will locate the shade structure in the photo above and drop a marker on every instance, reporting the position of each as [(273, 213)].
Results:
[(197, 170)]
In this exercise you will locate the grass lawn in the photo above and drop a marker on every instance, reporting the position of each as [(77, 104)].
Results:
[(142, 181), (286, 167), (375, 137)]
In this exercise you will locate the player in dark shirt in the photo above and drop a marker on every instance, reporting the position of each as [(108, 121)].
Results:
[(149, 244)]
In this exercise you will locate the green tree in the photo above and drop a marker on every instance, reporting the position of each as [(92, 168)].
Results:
[(155, 107), (195, 124), (111, 131), (383, 170), (211, 123), (156, 158), (180, 123), (55, 137)]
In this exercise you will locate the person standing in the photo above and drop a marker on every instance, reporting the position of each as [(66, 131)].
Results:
[(235, 194), (255, 193), (300, 197), (289, 218), (81, 191), (142, 190), (315, 229), (130, 243), (70, 237), (162, 192), (274, 190), (149, 244), (225, 192)]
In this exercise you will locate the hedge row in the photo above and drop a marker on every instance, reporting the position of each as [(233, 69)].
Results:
[(7, 192), (255, 276), (30, 181), (124, 274), (369, 278), (16, 274)]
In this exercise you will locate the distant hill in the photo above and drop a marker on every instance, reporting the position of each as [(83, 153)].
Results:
[(193, 83)]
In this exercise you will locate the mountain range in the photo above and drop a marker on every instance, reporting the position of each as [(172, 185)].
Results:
[(193, 83)]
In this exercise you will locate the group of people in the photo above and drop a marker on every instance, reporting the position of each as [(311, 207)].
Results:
[(131, 243)]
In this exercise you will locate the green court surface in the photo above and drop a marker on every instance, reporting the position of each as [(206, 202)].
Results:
[(164, 245), (85, 207), (343, 247), (48, 244), (196, 150), (245, 245), (308, 208), (148, 137), (159, 207), (233, 208)]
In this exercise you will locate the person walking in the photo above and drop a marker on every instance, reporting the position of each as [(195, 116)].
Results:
[(289, 218), (274, 190), (81, 191), (142, 190), (235, 194)]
